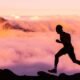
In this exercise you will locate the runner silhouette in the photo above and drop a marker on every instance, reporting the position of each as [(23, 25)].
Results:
[(65, 39)]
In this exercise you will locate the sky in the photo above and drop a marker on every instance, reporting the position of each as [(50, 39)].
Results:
[(39, 7)]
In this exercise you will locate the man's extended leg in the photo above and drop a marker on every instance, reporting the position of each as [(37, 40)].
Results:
[(72, 56), (60, 53)]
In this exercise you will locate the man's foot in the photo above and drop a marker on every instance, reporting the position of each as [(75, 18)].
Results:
[(52, 71)]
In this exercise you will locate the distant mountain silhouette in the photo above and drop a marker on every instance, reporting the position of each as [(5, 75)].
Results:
[(40, 26), (18, 27), (5, 25), (2, 20), (8, 75)]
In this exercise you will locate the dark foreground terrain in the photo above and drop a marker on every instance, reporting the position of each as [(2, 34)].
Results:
[(8, 75)]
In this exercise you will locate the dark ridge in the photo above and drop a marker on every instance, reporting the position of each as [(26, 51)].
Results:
[(8, 75), (2, 20), (18, 27)]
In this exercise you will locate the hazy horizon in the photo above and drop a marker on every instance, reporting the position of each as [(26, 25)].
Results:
[(39, 7)]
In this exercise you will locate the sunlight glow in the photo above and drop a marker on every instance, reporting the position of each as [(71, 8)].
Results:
[(15, 16), (34, 18)]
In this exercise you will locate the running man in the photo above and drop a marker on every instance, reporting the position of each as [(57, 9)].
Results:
[(65, 39)]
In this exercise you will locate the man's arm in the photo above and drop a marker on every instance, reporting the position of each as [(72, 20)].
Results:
[(58, 41)]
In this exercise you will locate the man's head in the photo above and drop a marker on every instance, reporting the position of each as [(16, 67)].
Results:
[(59, 29)]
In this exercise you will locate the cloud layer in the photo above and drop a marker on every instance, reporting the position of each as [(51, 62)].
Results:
[(29, 52)]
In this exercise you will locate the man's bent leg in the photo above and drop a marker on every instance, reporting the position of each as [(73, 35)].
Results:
[(73, 58), (60, 53)]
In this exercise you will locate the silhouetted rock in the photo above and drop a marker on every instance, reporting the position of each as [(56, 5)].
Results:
[(47, 76), (8, 75)]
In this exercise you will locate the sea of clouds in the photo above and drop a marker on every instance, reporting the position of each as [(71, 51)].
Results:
[(26, 53)]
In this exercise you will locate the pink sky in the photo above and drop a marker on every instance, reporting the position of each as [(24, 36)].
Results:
[(39, 7)]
